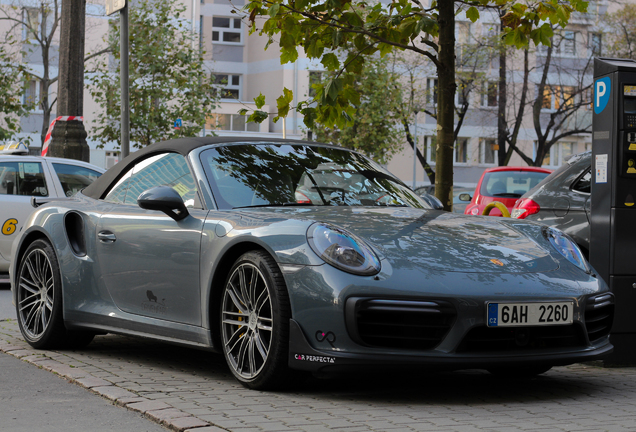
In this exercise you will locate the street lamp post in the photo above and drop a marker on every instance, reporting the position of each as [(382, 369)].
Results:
[(125, 98), (113, 6)]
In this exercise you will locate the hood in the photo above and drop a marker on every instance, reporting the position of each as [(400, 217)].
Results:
[(437, 240)]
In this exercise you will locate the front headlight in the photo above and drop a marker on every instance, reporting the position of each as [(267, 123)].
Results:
[(566, 247), (342, 249)]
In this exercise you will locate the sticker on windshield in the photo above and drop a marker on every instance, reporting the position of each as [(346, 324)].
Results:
[(181, 189), (31, 168)]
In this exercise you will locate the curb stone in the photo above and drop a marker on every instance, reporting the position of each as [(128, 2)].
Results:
[(156, 411)]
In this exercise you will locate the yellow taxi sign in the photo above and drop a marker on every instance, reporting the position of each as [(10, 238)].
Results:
[(14, 148)]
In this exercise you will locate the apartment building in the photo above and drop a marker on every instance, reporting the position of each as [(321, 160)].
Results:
[(243, 69)]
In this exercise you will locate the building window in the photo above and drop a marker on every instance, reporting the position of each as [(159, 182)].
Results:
[(33, 94), (488, 151), (462, 93), (566, 150), (31, 17), (568, 44), (430, 147), (549, 156), (226, 30), (558, 97), (228, 85), (490, 94), (595, 44), (461, 150), (564, 44), (431, 91), (558, 154), (233, 122), (315, 77)]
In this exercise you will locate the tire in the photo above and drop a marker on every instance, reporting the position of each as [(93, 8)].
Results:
[(519, 371), (39, 301), (255, 294)]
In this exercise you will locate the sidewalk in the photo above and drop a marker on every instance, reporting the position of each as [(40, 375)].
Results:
[(189, 390)]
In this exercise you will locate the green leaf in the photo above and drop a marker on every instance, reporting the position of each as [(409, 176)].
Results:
[(472, 14), (273, 10), (330, 62), (258, 116), (242, 111), (259, 101)]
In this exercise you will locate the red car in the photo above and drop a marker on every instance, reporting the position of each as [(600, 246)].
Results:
[(505, 184)]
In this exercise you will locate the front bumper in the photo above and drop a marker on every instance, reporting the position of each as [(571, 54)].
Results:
[(302, 356)]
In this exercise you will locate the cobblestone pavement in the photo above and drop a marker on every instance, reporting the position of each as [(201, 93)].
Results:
[(189, 390)]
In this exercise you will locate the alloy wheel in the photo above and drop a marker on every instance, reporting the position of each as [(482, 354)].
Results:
[(36, 294), (247, 321)]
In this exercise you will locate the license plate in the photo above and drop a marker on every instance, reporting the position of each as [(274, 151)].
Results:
[(529, 314)]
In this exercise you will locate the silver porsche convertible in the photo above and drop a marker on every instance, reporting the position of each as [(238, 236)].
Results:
[(291, 256)]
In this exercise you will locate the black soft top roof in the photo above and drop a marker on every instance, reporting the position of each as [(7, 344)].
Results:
[(182, 146)]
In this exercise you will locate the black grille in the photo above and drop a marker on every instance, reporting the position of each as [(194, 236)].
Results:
[(599, 314), (492, 339), (405, 324)]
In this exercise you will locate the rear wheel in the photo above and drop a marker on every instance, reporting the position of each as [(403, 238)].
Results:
[(255, 315), (39, 301)]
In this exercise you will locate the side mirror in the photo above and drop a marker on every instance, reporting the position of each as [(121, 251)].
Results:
[(465, 197), (165, 199)]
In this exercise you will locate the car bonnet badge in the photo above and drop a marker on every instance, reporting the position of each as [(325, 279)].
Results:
[(496, 261)]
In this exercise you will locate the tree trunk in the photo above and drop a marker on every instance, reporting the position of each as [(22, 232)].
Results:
[(445, 104)]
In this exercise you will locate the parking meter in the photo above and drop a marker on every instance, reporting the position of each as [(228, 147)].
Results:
[(613, 209)]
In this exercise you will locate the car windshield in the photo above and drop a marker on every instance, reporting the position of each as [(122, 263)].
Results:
[(510, 184), (282, 174)]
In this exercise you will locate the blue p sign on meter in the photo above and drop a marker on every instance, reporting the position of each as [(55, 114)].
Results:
[(601, 94)]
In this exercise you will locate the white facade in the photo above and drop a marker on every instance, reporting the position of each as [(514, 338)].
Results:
[(246, 69)]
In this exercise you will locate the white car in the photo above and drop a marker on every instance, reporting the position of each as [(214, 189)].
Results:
[(23, 177)]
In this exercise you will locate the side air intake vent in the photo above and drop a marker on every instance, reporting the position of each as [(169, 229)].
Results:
[(599, 314), (74, 226)]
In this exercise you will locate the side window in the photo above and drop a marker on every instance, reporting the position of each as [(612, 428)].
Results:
[(583, 183), (167, 169), (74, 178), (22, 178), (117, 194)]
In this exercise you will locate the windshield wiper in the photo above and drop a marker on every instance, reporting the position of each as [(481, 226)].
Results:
[(290, 204)]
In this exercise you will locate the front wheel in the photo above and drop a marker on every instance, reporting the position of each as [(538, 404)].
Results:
[(255, 315)]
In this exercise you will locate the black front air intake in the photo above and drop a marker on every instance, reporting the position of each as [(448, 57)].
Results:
[(599, 314), (403, 324), (484, 339)]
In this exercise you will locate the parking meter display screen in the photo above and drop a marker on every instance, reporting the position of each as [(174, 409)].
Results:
[(629, 106)]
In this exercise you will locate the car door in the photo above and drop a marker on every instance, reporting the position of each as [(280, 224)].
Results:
[(19, 181), (149, 263)]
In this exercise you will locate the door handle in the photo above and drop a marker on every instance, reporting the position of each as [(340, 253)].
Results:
[(106, 237)]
